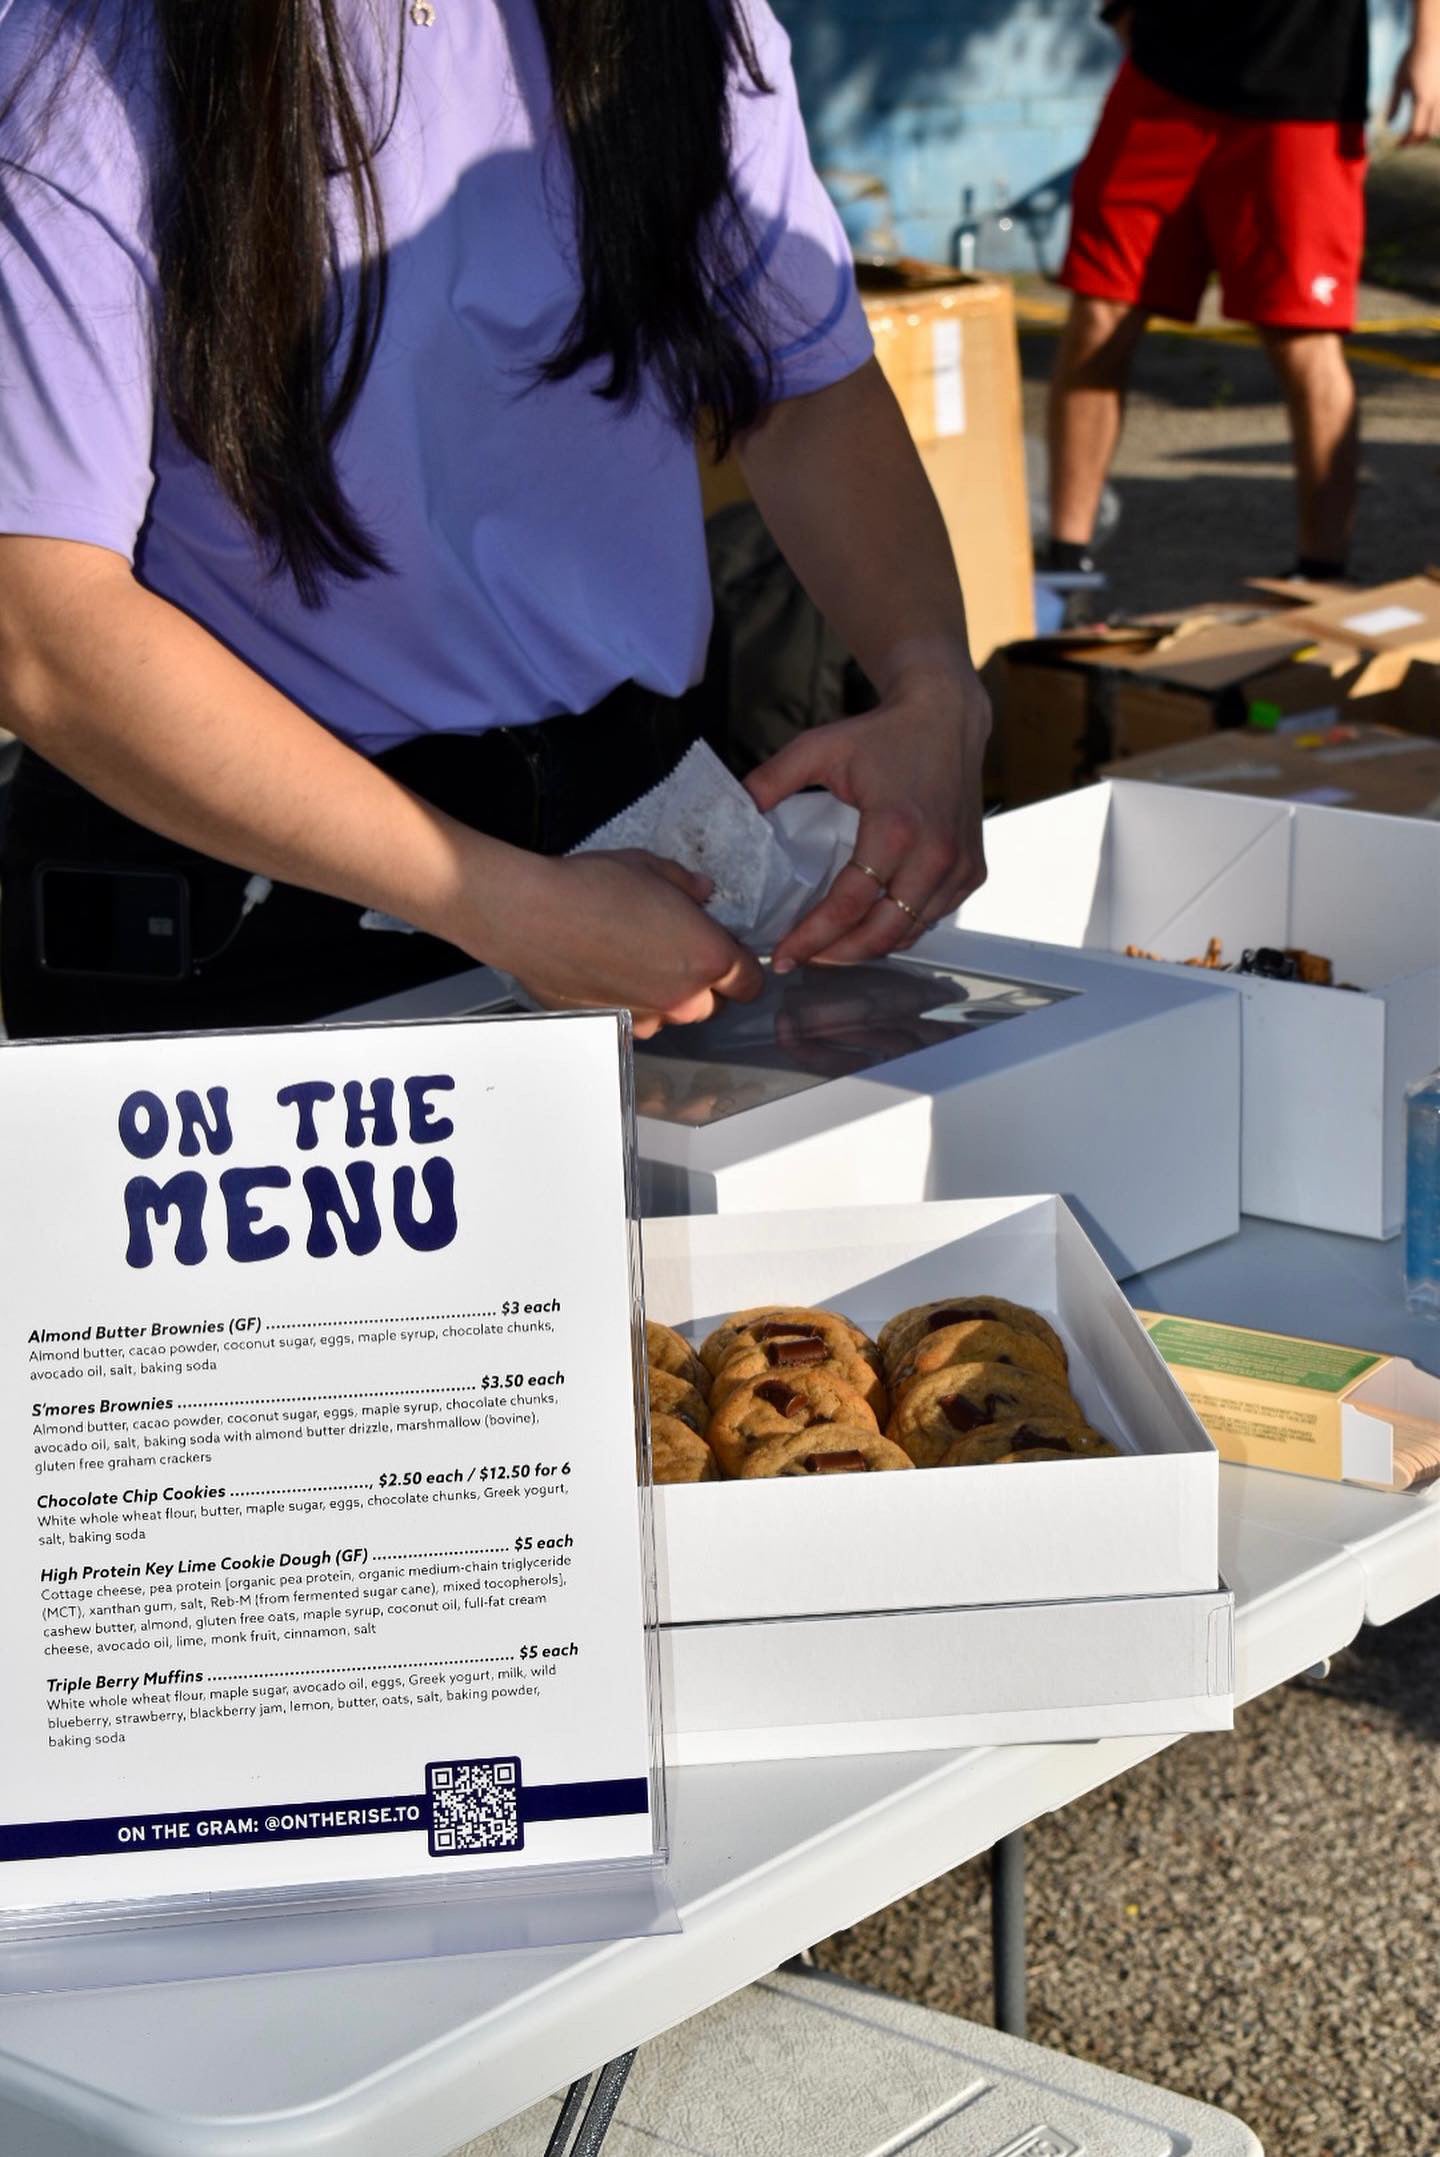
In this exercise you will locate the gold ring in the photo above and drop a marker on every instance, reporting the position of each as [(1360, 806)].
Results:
[(873, 874), (910, 910)]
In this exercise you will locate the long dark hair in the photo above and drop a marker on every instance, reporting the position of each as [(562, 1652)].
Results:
[(260, 364)]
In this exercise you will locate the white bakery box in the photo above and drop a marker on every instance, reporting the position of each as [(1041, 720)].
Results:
[(972, 1067), (1324, 1071), (1058, 1600)]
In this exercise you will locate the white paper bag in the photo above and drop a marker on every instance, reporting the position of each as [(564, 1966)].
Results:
[(767, 870)]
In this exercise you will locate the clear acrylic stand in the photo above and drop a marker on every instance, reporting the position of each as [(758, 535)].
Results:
[(422, 1912)]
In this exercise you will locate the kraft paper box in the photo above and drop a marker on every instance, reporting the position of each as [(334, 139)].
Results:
[(1271, 1401), (947, 1606), (1324, 1071), (1320, 758), (1069, 703)]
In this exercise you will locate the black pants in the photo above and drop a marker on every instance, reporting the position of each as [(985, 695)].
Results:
[(299, 956)]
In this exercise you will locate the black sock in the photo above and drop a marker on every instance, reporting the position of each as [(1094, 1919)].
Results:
[(1315, 570), (1068, 557)]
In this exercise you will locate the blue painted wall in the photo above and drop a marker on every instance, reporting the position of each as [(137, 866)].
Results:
[(917, 109)]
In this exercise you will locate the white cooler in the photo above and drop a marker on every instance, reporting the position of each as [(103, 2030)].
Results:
[(802, 2066)]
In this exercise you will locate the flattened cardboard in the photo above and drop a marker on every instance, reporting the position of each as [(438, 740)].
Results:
[(1327, 761), (1070, 703), (1400, 617)]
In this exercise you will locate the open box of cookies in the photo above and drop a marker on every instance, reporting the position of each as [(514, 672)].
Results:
[(928, 1406)]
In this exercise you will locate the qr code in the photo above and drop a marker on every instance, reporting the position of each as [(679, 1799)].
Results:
[(474, 1805)]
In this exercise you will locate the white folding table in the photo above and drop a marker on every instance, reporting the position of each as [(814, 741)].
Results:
[(409, 2061)]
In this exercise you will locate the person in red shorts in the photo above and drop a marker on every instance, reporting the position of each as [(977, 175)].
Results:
[(1233, 141)]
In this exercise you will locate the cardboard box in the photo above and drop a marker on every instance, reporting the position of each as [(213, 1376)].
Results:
[(1394, 632), (948, 348), (1070, 1599), (1324, 1072), (1068, 704), (1310, 1407), (1320, 758), (1083, 1092), (1401, 620)]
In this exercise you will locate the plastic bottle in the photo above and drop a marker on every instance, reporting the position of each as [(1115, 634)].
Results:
[(1422, 1196)]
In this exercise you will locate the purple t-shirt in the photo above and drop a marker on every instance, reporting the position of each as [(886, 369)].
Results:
[(544, 544)]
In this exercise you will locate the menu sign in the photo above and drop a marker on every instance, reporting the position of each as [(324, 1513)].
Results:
[(320, 1552)]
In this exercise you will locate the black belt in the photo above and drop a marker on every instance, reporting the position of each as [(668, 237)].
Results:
[(543, 787), (548, 786)]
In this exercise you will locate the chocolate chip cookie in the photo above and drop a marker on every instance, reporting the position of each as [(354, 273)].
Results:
[(784, 1323), (906, 1328), (666, 1350), (671, 1396), (778, 1407), (825, 1449), (946, 1404), (1036, 1437), (975, 1340), (783, 1354), (677, 1455)]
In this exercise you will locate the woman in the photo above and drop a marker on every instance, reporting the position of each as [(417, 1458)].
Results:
[(352, 564)]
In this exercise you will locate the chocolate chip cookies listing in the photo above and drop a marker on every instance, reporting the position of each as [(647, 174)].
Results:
[(795, 1391)]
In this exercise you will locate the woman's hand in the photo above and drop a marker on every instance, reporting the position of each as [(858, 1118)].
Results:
[(624, 928), (912, 768)]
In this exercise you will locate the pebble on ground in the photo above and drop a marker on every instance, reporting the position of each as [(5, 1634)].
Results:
[(1250, 1918)]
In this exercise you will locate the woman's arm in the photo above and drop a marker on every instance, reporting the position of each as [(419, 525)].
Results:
[(1418, 76), (137, 702), (840, 484)]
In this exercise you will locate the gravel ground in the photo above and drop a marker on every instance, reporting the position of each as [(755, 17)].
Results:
[(1251, 1919), (1203, 475)]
